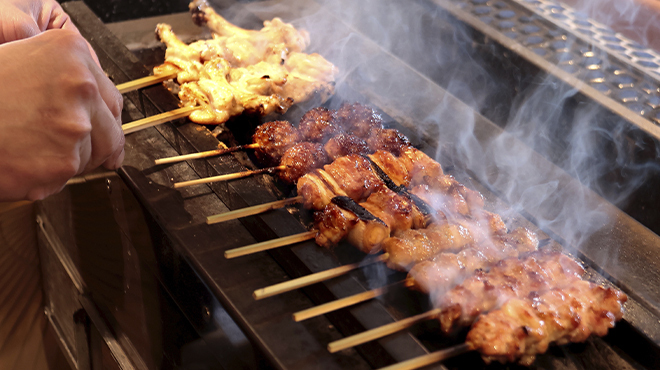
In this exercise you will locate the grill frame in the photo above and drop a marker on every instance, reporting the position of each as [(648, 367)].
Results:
[(194, 245)]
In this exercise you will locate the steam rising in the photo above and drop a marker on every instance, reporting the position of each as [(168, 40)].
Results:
[(374, 44)]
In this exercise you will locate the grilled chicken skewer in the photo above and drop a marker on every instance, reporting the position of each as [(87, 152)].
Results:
[(260, 72), (320, 125), (358, 224), (360, 178), (484, 291), (525, 327), (243, 47), (449, 267)]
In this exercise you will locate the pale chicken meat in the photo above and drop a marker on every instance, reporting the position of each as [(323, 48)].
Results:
[(222, 92), (437, 274), (409, 247), (237, 70), (242, 47)]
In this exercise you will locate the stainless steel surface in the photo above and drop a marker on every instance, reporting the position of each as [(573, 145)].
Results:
[(605, 65)]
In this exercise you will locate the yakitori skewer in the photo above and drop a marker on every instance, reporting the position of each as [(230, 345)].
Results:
[(526, 326), (270, 140), (157, 119), (269, 244), (381, 331), (227, 177), (205, 154), (250, 211), (484, 291), (318, 277), (341, 303), (144, 82)]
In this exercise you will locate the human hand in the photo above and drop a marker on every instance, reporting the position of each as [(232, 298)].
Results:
[(60, 116), (20, 19)]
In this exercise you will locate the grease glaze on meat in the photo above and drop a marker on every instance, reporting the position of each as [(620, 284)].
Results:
[(316, 125), (390, 140), (354, 174), (358, 119), (301, 159), (344, 144), (274, 138), (525, 326), (509, 278)]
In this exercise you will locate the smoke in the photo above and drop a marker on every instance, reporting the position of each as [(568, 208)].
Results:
[(636, 20), (440, 79)]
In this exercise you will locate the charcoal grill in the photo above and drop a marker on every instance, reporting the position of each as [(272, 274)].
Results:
[(147, 277)]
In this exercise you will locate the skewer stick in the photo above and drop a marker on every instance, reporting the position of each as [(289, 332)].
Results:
[(158, 119), (270, 244), (312, 279), (380, 331), (254, 210), (209, 153), (431, 358), (340, 303), (227, 177), (144, 82)]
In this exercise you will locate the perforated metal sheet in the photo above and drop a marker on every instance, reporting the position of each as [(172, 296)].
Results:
[(614, 65)]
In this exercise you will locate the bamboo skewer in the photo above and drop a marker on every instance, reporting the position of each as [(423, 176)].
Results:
[(158, 119), (381, 331), (270, 244), (431, 358), (340, 303), (250, 211), (227, 177), (318, 277), (209, 153), (143, 82)]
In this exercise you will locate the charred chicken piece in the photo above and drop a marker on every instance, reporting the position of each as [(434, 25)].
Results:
[(398, 212), (274, 138), (525, 326), (343, 144), (354, 174), (392, 166), (358, 119), (342, 219), (389, 140), (300, 159), (316, 125), (414, 246)]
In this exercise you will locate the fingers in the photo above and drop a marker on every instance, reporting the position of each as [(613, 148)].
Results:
[(104, 106), (107, 136)]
